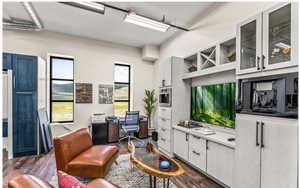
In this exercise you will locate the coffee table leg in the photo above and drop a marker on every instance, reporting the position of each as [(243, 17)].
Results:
[(168, 183), (154, 181), (150, 181), (164, 182)]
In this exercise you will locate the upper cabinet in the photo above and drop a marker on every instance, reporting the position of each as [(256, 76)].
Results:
[(268, 40), (166, 73)]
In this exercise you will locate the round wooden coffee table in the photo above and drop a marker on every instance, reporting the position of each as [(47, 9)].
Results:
[(148, 160)]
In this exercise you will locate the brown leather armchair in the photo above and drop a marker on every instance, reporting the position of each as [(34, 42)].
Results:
[(28, 181), (76, 155)]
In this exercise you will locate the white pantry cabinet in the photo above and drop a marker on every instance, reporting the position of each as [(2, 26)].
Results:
[(268, 40), (181, 144), (220, 162), (166, 72), (266, 152)]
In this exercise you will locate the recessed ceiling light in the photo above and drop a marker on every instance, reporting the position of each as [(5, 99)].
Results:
[(146, 22)]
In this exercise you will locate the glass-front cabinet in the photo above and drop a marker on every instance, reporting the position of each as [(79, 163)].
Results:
[(249, 45), (269, 40)]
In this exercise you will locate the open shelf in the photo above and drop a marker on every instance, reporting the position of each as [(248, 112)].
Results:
[(215, 59), (191, 63), (228, 51)]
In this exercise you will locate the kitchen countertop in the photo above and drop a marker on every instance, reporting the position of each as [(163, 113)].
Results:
[(219, 136)]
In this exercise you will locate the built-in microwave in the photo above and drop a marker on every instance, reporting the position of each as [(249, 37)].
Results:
[(272, 95), (165, 97)]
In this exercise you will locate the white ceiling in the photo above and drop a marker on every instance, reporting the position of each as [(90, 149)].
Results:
[(110, 26)]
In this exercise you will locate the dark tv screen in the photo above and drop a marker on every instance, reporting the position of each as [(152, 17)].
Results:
[(214, 104)]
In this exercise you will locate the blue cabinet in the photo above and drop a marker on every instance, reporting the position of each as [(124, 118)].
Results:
[(24, 101), (7, 61), (4, 128)]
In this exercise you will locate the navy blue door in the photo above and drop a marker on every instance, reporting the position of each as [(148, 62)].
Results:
[(24, 105), (7, 61)]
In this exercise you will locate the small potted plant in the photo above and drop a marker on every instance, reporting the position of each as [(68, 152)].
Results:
[(192, 67)]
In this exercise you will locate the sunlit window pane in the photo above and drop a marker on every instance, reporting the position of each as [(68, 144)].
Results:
[(120, 108), (62, 111), (62, 90), (121, 73), (62, 68), (121, 92)]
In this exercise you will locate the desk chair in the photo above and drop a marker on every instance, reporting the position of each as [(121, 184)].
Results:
[(131, 125)]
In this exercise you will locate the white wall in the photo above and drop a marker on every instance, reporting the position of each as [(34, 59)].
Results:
[(94, 63), (215, 24)]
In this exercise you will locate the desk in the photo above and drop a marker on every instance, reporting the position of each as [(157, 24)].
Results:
[(114, 126)]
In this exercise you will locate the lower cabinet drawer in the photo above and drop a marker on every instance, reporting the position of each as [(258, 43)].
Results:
[(165, 123), (197, 152), (164, 143), (165, 133)]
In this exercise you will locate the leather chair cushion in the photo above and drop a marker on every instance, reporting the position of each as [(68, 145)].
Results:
[(101, 183), (92, 160), (26, 181), (70, 145)]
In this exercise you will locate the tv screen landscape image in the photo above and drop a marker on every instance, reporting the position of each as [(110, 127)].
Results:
[(214, 104)]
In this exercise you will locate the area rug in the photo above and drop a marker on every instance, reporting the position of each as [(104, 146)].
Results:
[(125, 175)]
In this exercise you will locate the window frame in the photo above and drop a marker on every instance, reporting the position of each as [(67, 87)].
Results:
[(60, 79), (126, 83)]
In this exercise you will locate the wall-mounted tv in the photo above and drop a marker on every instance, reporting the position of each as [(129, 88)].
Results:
[(214, 104)]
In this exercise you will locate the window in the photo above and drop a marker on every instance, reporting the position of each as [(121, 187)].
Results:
[(121, 89), (61, 89)]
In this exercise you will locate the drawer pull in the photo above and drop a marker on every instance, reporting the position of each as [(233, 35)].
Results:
[(163, 129), (196, 152), (197, 137), (162, 139), (163, 119)]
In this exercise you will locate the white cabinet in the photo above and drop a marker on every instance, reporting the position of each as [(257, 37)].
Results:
[(166, 72), (220, 162), (247, 153), (266, 152), (181, 144), (268, 40), (279, 154), (197, 152)]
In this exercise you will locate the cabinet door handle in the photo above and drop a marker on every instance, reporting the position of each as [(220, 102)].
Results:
[(263, 62), (207, 145), (186, 137), (258, 61), (257, 124), (262, 135), (14, 82)]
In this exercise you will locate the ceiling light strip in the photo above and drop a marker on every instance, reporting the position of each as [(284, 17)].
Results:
[(91, 6), (146, 22), (33, 15)]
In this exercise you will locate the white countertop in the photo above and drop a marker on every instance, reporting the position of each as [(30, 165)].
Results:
[(219, 136)]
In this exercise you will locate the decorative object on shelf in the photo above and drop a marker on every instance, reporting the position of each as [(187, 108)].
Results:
[(192, 67), (228, 51), (189, 124), (84, 93), (191, 63), (231, 56), (150, 101), (105, 94)]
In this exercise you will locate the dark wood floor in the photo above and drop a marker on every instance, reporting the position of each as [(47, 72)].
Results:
[(43, 166)]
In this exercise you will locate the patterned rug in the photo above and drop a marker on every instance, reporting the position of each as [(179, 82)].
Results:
[(125, 176)]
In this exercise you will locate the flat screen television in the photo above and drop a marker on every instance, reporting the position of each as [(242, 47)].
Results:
[(214, 104)]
